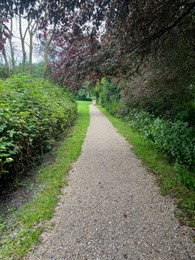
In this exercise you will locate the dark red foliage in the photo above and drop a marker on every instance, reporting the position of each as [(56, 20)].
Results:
[(133, 30)]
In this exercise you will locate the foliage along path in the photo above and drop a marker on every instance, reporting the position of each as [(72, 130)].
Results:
[(112, 208)]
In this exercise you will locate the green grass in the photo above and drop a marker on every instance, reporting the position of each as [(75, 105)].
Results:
[(173, 180), (30, 219)]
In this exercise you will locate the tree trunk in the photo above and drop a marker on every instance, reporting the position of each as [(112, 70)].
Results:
[(6, 66), (22, 39), (46, 56), (11, 48), (30, 52), (32, 27)]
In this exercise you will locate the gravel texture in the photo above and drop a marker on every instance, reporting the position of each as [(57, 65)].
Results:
[(112, 208)]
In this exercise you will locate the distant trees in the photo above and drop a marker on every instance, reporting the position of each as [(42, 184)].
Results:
[(24, 29), (21, 22)]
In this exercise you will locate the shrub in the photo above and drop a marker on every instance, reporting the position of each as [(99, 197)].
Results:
[(174, 139), (33, 114), (108, 95)]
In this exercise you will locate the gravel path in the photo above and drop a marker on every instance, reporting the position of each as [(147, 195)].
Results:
[(112, 208)]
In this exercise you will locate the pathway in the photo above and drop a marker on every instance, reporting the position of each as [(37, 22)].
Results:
[(112, 208)]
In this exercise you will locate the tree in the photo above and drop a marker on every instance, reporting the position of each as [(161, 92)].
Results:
[(32, 28), (22, 39), (134, 32), (13, 63)]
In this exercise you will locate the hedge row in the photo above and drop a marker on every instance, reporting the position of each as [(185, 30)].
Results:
[(33, 114), (175, 139)]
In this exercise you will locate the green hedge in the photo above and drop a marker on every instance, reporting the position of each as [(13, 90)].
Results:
[(33, 114), (175, 139)]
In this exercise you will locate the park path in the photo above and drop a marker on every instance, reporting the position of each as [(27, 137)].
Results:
[(112, 208)]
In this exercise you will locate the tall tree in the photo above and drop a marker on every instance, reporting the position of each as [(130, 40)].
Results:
[(32, 28), (13, 63), (23, 34)]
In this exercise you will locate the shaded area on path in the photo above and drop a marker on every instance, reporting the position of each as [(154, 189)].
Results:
[(112, 208)]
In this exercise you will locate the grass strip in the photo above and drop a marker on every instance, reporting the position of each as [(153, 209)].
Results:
[(30, 218), (173, 180)]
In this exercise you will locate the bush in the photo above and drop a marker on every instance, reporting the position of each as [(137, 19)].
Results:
[(174, 139), (108, 95), (33, 114)]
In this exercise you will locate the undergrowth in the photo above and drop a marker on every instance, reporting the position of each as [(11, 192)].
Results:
[(176, 139)]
